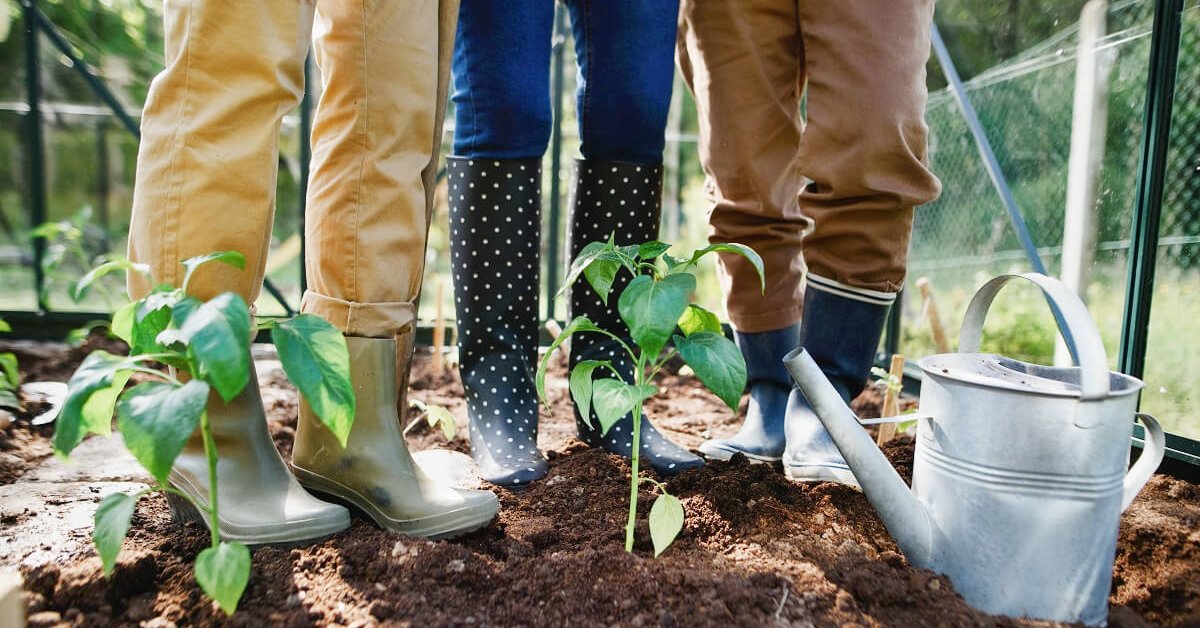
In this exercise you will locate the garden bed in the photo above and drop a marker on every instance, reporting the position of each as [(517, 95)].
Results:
[(755, 550)]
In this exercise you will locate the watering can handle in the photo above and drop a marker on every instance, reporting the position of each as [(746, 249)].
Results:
[(1089, 349), (1153, 448)]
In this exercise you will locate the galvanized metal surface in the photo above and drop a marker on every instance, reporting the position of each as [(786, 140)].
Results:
[(1019, 477)]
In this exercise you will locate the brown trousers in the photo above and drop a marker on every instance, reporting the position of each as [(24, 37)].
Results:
[(210, 142), (835, 191)]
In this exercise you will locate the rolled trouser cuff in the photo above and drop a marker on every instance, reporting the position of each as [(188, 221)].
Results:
[(866, 295), (367, 320)]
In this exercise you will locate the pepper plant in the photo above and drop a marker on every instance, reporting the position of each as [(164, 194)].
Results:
[(653, 306), (184, 348), (10, 376)]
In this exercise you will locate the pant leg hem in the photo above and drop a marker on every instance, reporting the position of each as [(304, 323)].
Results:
[(368, 320), (766, 321)]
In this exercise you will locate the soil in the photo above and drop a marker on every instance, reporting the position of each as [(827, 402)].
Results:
[(23, 445), (756, 549)]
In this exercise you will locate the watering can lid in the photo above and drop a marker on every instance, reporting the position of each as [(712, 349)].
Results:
[(993, 371)]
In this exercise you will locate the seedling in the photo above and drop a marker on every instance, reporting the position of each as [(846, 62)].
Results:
[(10, 377), (653, 305), (434, 416), (187, 348)]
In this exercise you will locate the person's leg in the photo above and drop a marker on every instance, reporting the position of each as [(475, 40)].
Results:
[(864, 151), (375, 140), (502, 126), (625, 51), (205, 183), (744, 62)]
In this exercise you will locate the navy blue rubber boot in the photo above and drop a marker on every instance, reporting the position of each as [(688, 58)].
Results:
[(495, 220), (841, 328), (761, 437), (623, 200)]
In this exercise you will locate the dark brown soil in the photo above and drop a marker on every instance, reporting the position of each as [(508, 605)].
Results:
[(756, 550)]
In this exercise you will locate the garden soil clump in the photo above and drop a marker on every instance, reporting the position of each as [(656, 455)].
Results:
[(756, 550)]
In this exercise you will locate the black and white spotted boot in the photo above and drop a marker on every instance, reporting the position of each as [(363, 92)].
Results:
[(495, 220), (623, 200)]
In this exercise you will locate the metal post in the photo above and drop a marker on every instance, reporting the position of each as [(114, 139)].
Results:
[(306, 111), (555, 227), (103, 184), (1147, 210), (37, 146), (81, 66)]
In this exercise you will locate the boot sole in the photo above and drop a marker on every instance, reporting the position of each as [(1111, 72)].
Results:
[(718, 452), (818, 473), (442, 526), (184, 511)]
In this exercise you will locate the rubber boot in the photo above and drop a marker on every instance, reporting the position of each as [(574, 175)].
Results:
[(495, 222), (259, 499), (375, 472), (623, 200), (761, 437), (841, 328)]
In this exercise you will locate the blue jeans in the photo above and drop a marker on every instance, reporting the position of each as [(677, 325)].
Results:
[(626, 54)]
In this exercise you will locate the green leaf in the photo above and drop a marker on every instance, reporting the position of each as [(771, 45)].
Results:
[(439, 416), (223, 573), (4, 326), (233, 258), (672, 262), (652, 307), (652, 249), (697, 319), (76, 336), (151, 316), (577, 324), (591, 252), (98, 409), (218, 336), (8, 399), (613, 399), (601, 274), (157, 418), (740, 249), (581, 387), (717, 362), (315, 358), (122, 322), (112, 524), (666, 521), (96, 373), (183, 309), (109, 267), (10, 371)]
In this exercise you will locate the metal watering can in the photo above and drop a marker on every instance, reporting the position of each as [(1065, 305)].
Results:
[(1020, 473)]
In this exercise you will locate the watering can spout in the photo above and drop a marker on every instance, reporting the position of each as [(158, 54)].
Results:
[(904, 516)]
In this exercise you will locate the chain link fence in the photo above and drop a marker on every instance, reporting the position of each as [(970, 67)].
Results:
[(1026, 108)]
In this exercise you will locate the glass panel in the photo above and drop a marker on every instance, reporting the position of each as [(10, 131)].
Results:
[(1171, 368)]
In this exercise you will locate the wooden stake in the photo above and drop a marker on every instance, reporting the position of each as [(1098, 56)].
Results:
[(891, 401), (935, 319), (439, 330)]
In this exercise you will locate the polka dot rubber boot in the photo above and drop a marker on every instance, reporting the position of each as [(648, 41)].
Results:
[(495, 218), (624, 200)]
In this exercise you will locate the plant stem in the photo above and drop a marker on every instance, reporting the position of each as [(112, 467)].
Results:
[(210, 452), (639, 372)]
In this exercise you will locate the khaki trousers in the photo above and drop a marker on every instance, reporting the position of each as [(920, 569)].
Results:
[(208, 158), (835, 191)]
